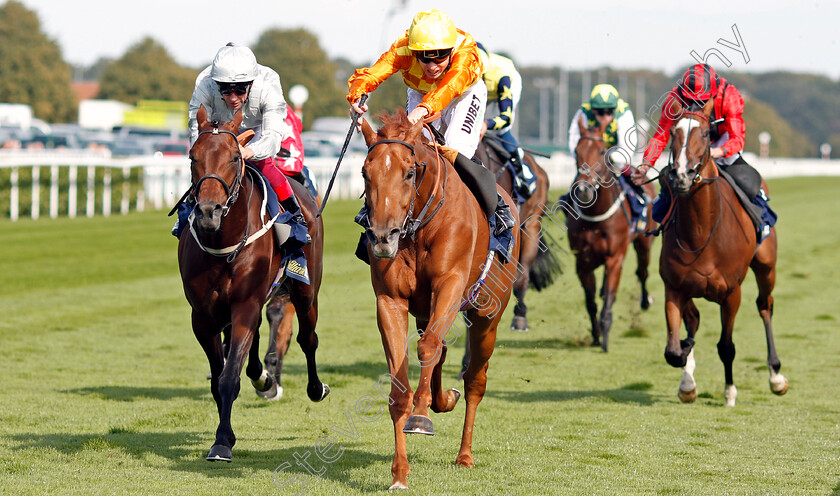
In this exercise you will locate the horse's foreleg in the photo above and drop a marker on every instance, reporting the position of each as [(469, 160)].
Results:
[(764, 268), (612, 277), (244, 321), (726, 348), (211, 342), (587, 280), (482, 337), (431, 349), (280, 313), (392, 318)]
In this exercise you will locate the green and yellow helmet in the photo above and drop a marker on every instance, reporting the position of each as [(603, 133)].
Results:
[(603, 96)]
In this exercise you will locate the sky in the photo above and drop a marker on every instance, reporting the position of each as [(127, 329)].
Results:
[(765, 35)]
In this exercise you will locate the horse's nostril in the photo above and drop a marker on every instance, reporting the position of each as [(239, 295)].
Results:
[(394, 232)]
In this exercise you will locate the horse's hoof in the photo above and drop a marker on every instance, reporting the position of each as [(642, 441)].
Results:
[(397, 485), (645, 303), (464, 461), (688, 396), (457, 394), (519, 324), (219, 453), (273, 394), (779, 385), (317, 393), (417, 424)]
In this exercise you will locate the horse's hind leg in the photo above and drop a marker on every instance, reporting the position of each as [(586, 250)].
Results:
[(308, 339), (726, 348), (482, 336), (642, 246), (764, 267), (527, 254)]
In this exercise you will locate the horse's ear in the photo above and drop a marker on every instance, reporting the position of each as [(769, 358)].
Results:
[(201, 116), (673, 110), (237, 120), (584, 129), (709, 108), (414, 131), (368, 132)]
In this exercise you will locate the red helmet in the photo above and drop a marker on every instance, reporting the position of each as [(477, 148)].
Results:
[(700, 83)]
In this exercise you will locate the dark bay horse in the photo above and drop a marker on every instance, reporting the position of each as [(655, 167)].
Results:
[(228, 265), (708, 243), (599, 230), (538, 265), (428, 243)]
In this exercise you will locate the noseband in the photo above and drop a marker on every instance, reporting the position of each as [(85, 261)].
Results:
[(232, 191)]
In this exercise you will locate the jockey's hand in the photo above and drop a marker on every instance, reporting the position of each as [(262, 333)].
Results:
[(716, 152), (639, 175), (483, 129), (247, 153), (418, 114), (357, 112)]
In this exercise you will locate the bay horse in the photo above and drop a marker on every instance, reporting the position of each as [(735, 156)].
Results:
[(600, 231), (228, 263), (428, 245), (538, 265), (708, 242)]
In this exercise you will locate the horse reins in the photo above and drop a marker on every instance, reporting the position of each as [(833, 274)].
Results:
[(615, 205)]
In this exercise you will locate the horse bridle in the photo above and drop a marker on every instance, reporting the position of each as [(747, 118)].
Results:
[(232, 191), (411, 226), (698, 167)]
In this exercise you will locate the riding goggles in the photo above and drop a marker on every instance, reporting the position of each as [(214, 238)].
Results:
[(436, 56), (604, 111), (237, 88)]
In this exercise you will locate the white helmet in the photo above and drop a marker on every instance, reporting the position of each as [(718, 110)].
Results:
[(234, 64)]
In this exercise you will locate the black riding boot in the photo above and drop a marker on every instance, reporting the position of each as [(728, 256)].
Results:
[(522, 187), (482, 184)]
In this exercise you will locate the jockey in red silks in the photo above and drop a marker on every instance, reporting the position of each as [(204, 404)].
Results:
[(700, 84)]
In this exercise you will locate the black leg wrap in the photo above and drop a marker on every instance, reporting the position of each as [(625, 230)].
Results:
[(291, 205), (480, 181)]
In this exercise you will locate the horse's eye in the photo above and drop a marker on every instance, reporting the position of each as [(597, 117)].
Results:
[(364, 175), (410, 175)]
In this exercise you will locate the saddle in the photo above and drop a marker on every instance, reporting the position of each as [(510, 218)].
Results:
[(746, 182)]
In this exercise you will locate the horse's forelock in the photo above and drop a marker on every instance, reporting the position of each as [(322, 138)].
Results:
[(394, 126)]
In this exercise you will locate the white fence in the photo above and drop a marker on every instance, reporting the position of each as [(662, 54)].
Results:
[(158, 181)]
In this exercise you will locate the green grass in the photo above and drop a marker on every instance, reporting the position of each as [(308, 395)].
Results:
[(103, 388)]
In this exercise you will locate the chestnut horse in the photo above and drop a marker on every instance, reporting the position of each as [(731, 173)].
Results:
[(599, 230), (228, 263), (428, 243), (707, 245), (538, 265)]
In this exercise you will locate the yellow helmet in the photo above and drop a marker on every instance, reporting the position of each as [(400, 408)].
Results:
[(432, 30)]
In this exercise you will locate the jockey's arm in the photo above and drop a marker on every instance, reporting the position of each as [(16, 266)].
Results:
[(574, 132)]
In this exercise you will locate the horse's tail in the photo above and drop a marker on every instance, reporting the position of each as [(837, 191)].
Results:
[(546, 264)]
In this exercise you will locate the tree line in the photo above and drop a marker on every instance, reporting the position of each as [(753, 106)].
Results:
[(800, 111)]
